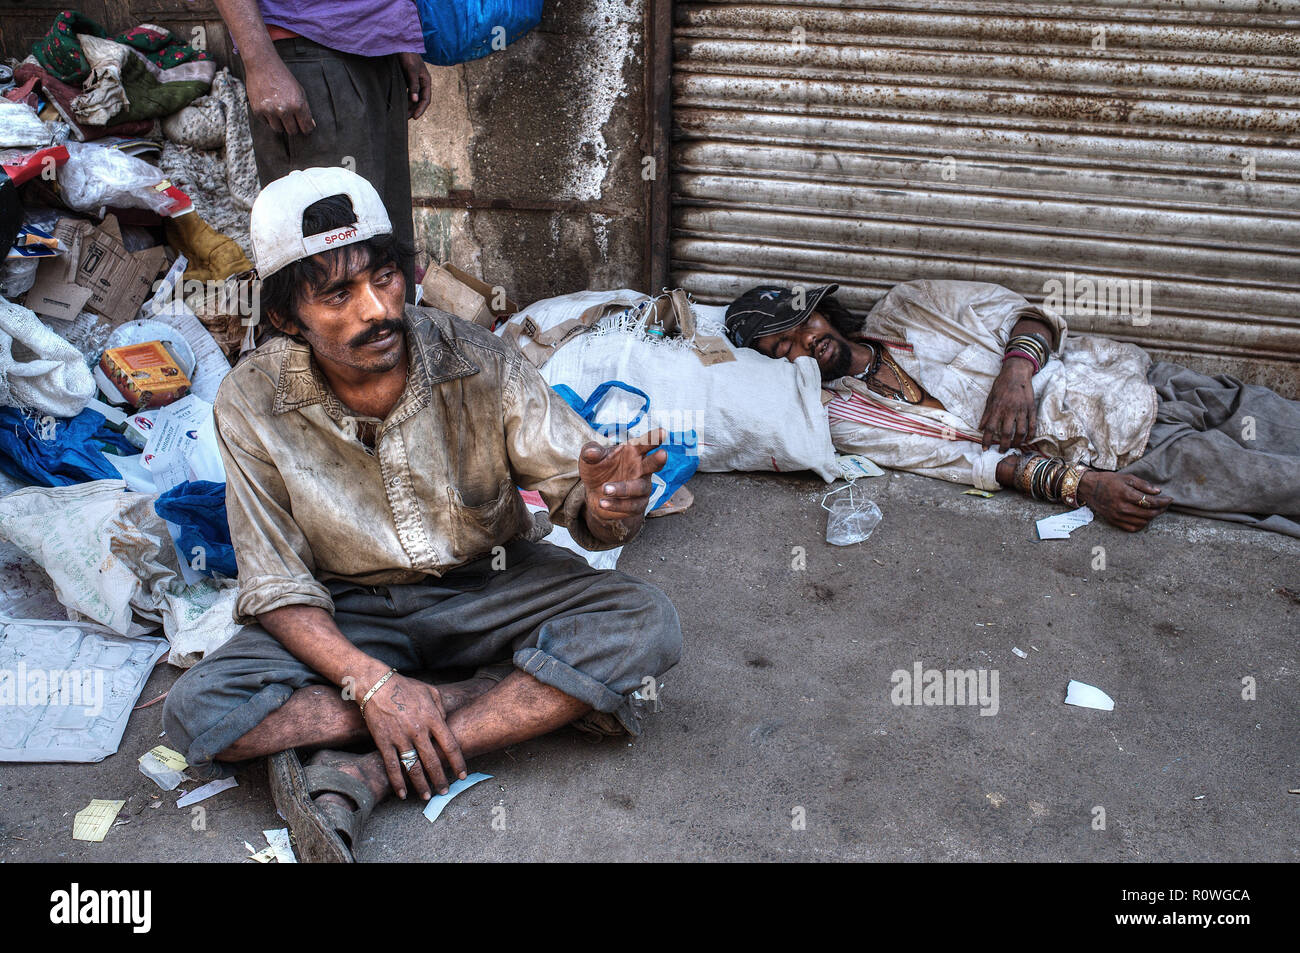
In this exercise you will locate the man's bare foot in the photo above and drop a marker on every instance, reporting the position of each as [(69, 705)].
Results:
[(366, 768)]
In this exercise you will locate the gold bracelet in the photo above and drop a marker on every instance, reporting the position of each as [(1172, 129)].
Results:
[(376, 687), (1070, 485)]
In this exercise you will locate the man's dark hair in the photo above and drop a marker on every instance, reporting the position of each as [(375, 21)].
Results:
[(283, 291), (840, 317)]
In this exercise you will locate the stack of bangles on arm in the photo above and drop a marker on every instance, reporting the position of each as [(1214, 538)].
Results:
[(1049, 478), (1030, 347)]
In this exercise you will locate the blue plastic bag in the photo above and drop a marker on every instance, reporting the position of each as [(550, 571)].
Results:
[(199, 508), (54, 451), (456, 31), (683, 457)]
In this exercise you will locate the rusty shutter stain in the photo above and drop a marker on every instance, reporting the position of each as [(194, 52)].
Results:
[(1153, 141)]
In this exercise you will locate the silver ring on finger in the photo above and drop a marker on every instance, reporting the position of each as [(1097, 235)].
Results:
[(409, 759)]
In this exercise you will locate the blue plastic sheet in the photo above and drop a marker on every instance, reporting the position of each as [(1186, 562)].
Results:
[(53, 451), (681, 446), (456, 31), (199, 508)]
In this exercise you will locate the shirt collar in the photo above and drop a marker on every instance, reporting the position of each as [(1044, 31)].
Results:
[(432, 358)]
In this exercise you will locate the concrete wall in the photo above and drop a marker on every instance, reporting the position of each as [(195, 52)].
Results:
[(546, 130), (526, 169)]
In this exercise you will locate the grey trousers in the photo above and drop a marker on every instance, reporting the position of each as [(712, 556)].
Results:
[(593, 634), (1224, 449), (360, 107)]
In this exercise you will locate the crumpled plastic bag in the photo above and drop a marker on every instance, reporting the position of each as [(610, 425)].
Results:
[(48, 451), (47, 373), (20, 127), (108, 553), (17, 275), (198, 508), (850, 519), (96, 176)]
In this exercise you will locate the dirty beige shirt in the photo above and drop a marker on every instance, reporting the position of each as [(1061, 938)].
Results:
[(1094, 403), (307, 501)]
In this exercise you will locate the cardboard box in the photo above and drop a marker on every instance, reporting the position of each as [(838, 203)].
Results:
[(95, 273), (449, 289), (146, 375)]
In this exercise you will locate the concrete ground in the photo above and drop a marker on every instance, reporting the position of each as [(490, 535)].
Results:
[(781, 710)]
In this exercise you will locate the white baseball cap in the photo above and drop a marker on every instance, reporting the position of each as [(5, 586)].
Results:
[(275, 223)]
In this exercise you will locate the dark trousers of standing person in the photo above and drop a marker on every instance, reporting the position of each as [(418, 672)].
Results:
[(360, 106)]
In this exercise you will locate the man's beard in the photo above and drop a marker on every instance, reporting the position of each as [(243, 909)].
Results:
[(840, 365)]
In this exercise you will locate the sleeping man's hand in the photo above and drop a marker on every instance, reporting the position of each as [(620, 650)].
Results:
[(1011, 413)]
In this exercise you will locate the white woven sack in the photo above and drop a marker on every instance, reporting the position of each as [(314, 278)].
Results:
[(753, 413), (48, 374), (549, 312)]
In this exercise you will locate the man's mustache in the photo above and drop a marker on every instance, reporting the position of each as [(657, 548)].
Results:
[(375, 332)]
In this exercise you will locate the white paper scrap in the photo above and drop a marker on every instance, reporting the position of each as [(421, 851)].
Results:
[(1086, 696), (1062, 525), (263, 856), (279, 841), (206, 791), (1020, 653), (440, 801)]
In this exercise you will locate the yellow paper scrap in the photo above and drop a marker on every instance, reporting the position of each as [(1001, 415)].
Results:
[(172, 759), (984, 493), (92, 822)]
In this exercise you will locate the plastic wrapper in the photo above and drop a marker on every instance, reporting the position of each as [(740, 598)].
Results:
[(153, 768), (96, 176)]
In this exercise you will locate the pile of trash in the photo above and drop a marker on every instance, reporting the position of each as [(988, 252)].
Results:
[(126, 178)]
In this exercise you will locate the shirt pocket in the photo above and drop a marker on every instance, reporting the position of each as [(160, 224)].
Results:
[(476, 529), (963, 386)]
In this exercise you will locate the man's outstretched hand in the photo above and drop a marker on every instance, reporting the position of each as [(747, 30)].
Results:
[(618, 483)]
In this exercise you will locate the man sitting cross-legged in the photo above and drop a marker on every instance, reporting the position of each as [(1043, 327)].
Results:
[(373, 455)]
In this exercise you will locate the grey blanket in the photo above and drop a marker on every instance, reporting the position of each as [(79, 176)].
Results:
[(1224, 449)]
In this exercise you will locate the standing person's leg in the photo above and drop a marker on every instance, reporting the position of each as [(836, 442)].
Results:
[(396, 187)]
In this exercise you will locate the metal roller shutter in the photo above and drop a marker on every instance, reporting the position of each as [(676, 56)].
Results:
[(1150, 141)]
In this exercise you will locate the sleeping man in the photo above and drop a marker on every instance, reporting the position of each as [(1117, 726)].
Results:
[(971, 383)]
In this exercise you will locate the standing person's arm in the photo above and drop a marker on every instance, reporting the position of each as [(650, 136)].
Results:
[(419, 87), (274, 95)]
